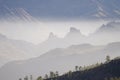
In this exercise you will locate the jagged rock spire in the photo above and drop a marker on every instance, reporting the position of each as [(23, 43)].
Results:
[(52, 36), (74, 30)]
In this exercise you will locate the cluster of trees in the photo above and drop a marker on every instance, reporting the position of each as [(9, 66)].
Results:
[(51, 75), (80, 68), (27, 78)]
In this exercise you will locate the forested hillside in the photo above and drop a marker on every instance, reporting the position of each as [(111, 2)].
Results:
[(109, 70)]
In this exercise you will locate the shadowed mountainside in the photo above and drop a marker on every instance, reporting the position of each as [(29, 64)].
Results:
[(107, 71)]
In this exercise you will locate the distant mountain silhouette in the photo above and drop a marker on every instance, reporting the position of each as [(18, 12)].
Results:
[(52, 36), (109, 28), (74, 33), (14, 50), (74, 36), (106, 33)]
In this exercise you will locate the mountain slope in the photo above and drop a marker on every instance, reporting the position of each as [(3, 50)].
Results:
[(109, 28), (107, 33), (105, 71), (60, 60), (14, 50), (74, 36)]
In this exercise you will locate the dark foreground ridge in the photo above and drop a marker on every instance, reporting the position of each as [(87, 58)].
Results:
[(107, 71)]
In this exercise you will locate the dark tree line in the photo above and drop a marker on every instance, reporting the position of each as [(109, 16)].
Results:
[(110, 70)]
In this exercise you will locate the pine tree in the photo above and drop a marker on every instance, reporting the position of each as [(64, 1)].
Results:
[(107, 58), (57, 74), (26, 78), (46, 76), (31, 78), (80, 68), (69, 73), (76, 68), (52, 74)]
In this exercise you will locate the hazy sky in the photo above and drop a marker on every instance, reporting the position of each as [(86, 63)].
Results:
[(37, 32)]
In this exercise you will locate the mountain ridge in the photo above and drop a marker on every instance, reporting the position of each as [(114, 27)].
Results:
[(73, 37), (104, 71), (14, 49)]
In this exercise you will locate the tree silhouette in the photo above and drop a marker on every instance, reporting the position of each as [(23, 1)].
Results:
[(46, 76), (69, 73), (80, 68), (57, 74), (31, 78), (107, 58), (26, 78), (76, 68), (52, 74)]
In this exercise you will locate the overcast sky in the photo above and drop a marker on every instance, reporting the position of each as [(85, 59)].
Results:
[(36, 32)]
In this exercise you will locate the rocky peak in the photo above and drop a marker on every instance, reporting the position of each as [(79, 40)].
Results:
[(52, 35), (74, 30)]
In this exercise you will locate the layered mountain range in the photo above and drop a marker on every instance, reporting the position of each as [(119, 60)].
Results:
[(14, 49), (105, 34), (59, 53), (18, 50), (60, 59), (63, 9)]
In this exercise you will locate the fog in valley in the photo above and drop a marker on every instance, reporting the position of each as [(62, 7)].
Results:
[(38, 31), (41, 44), (39, 37)]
